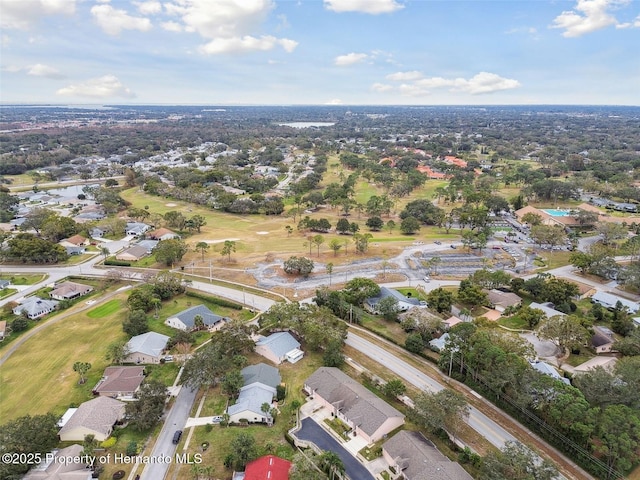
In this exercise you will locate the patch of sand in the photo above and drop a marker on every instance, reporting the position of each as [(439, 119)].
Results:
[(262, 233), (221, 241), (170, 204)]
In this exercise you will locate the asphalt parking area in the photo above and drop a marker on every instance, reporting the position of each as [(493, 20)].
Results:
[(312, 432)]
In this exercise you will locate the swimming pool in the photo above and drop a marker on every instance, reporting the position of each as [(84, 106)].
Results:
[(557, 212)]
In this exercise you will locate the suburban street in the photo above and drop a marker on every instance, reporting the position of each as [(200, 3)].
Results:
[(164, 451), (494, 433)]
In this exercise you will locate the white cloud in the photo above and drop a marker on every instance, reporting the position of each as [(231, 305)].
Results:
[(102, 87), (404, 76), (113, 21), (152, 7), (171, 26), (40, 70), (350, 59), (246, 44), (334, 101), (416, 86), (588, 16), (381, 87), (373, 7), (22, 15), (230, 25)]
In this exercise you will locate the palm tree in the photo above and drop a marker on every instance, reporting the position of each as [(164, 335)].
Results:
[(331, 463), (329, 268), (202, 247)]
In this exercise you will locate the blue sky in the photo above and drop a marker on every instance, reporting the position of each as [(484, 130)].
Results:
[(351, 52)]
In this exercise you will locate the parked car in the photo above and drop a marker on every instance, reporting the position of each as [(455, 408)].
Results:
[(453, 246), (176, 437), (438, 242)]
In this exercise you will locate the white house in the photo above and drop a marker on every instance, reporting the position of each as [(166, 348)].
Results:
[(608, 300), (279, 347), (185, 320), (404, 303), (95, 417), (146, 348), (34, 307), (249, 404)]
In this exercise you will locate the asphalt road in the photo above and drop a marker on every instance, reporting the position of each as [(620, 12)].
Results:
[(494, 433), (164, 451), (313, 432)]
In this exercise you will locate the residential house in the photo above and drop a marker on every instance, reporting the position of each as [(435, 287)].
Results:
[(548, 309), (96, 232), (602, 340), (35, 307), (500, 300), (248, 406), (119, 382), (185, 320), (438, 344), (416, 458), (146, 348), (3, 329), (95, 417), (75, 250), (4, 284), (69, 290), (162, 234), (404, 303), (608, 363), (261, 373), (132, 254), (136, 229), (368, 415), (546, 369), (608, 300), (278, 347), (451, 322), (148, 244), (268, 467), (55, 467), (75, 241)]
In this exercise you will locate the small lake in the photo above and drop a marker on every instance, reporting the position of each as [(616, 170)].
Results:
[(69, 192)]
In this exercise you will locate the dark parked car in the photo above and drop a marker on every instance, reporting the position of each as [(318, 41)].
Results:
[(176, 437)]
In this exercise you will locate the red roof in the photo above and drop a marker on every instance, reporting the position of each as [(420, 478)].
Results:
[(268, 467)]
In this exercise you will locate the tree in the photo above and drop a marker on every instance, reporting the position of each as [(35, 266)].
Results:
[(298, 266), (329, 268), (342, 227), (388, 308), (394, 388), (228, 248), (358, 289), (440, 300), (446, 410), (305, 468), (532, 219), (611, 231), (27, 435), (565, 331), (243, 450), (362, 241), (202, 247), (147, 410), (81, 368), (117, 351), (516, 462), (170, 251), (471, 294), (232, 382), (375, 223), (317, 240), (532, 316), (198, 221), (409, 226), (175, 219), (331, 463), (136, 323), (390, 225), (333, 356), (414, 343), (619, 437)]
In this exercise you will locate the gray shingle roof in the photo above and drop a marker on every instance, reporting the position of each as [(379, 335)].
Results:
[(262, 373), (389, 292), (279, 343), (355, 402), (419, 459), (98, 414), (187, 316), (251, 398), (150, 343)]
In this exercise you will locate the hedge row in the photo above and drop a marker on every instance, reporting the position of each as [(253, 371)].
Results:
[(117, 263), (215, 300)]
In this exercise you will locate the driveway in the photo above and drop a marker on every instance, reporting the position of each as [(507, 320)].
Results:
[(312, 432)]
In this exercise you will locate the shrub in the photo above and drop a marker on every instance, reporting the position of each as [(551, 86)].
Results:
[(109, 442)]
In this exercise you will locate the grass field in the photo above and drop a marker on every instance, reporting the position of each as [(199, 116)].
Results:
[(23, 278), (106, 308), (39, 377)]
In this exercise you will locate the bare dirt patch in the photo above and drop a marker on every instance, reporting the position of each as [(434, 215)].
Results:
[(170, 204)]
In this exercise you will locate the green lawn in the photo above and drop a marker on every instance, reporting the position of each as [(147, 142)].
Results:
[(23, 278), (107, 308), (39, 377)]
